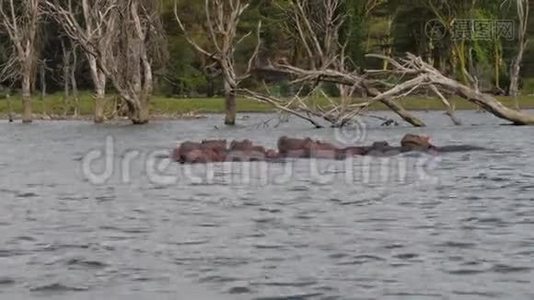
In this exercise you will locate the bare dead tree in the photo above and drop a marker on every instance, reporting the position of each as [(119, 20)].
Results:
[(97, 35), (66, 75), (42, 79), (20, 19), (123, 41), (70, 84), (222, 20), (317, 31), (74, 82), (522, 7)]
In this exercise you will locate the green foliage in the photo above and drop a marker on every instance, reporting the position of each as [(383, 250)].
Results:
[(391, 27), (354, 30), (183, 74)]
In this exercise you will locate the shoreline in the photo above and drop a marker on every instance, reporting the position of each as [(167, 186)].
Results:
[(196, 116), (89, 118), (163, 108)]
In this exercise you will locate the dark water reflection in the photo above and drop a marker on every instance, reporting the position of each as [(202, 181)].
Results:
[(466, 236)]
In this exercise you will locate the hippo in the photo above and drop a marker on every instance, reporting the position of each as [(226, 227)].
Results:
[(206, 151), (292, 147), (382, 148), (246, 151), (218, 145), (216, 150), (355, 151), (240, 145), (244, 156), (181, 153), (308, 148), (317, 149), (286, 144), (194, 156), (412, 142), (245, 145)]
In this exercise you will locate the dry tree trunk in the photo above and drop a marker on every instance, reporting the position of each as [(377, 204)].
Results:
[(21, 27), (487, 102), (140, 114), (42, 74), (66, 81), (222, 20), (26, 97), (74, 83), (398, 109), (523, 14), (99, 106), (9, 108), (230, 105), (99, 81), (99, 97)]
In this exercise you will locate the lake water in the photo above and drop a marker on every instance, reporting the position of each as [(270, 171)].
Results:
[(456, 226)]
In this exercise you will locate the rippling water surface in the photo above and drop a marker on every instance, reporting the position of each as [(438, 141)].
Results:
[(464, 230)]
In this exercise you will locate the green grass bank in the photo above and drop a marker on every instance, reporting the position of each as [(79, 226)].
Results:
[(56, 105)]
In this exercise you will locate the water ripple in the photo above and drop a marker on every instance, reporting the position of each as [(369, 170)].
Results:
[(58, 287)]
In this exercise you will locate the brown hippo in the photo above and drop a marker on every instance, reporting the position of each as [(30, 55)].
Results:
[(412, 142), (218, 145), (216, 150), (245, 145), (355, 151), (382, 148), (317, 149), (246, 151), (207, 151), (194, 156), (308, 148), (244, 156), (181, 153), (292, 147), (240, 145)]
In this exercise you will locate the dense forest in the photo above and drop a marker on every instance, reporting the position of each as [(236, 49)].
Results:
[(426, 28)]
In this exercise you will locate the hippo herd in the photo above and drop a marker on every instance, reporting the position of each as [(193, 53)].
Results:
[(209, 151)]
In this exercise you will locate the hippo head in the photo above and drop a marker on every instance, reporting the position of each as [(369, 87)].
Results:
[(412, 142)]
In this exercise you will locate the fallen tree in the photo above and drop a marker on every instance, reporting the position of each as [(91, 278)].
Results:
[(418, 76), (425, 76), (317, 27)]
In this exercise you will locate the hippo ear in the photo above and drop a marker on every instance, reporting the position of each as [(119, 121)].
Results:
[(426, 138)]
